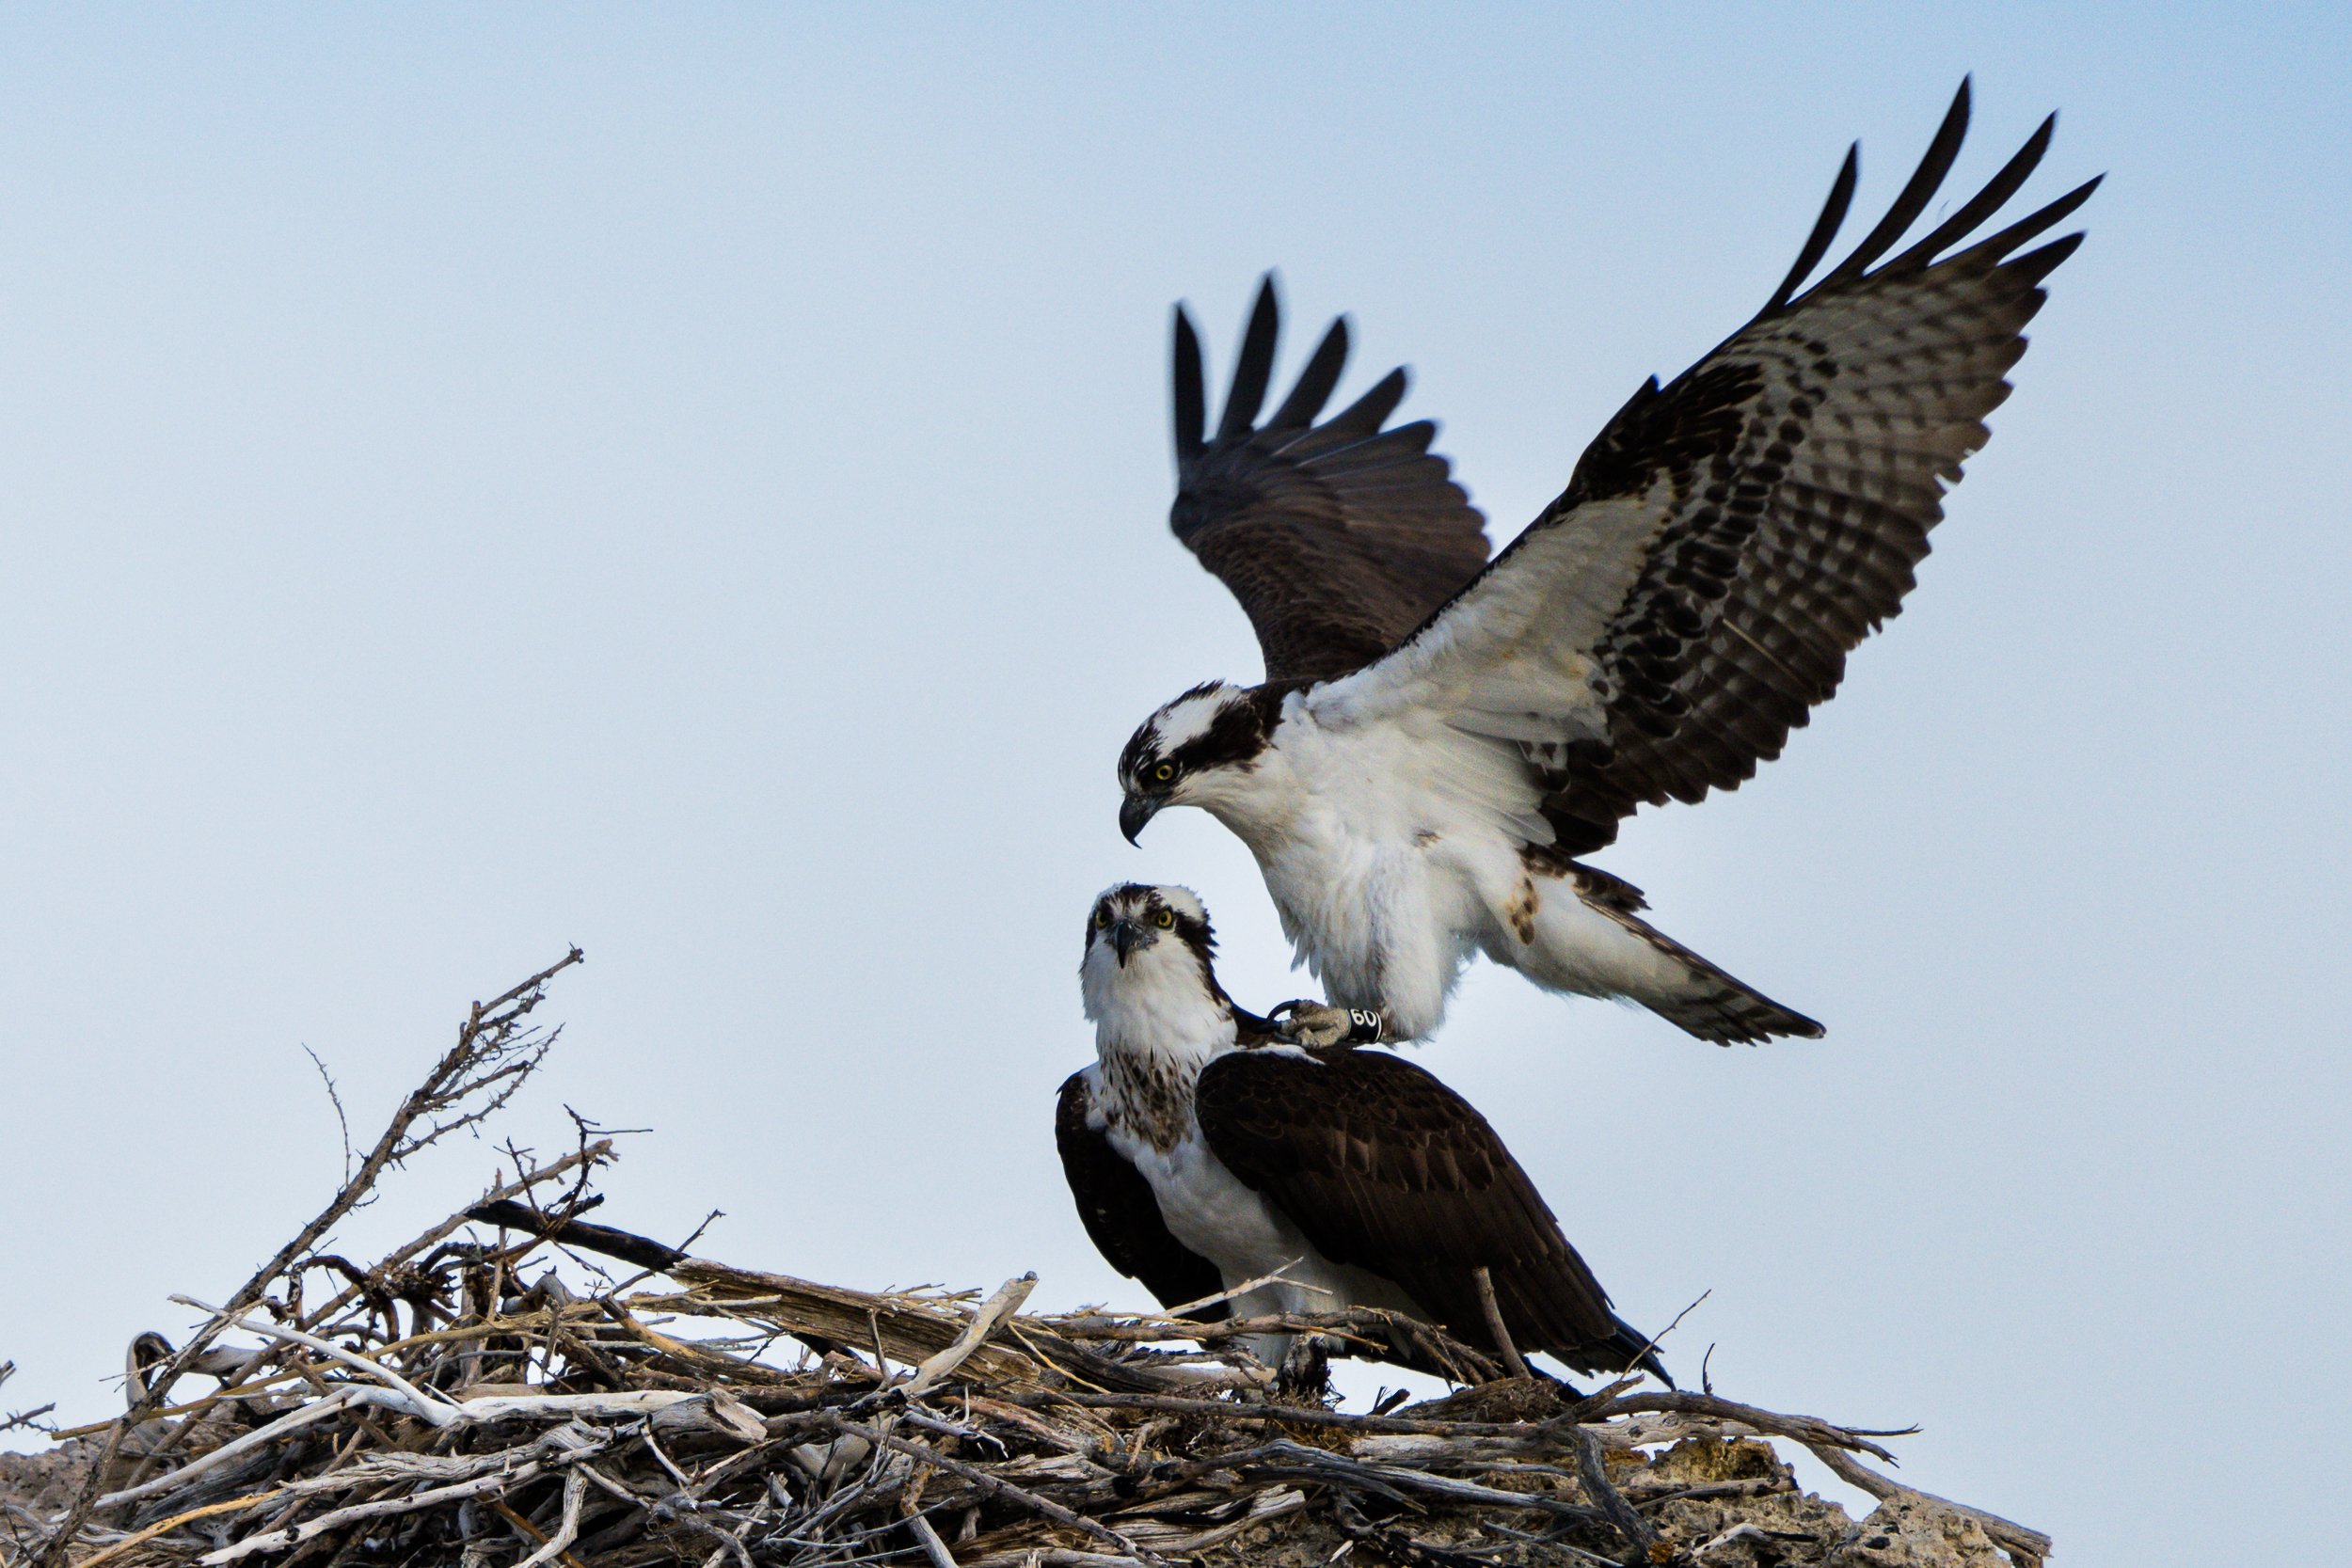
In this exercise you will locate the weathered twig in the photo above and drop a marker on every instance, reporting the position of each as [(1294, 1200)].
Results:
[(1495, 1325), (1594, 1476), (418, 1400), (1804, 1429), (587, 1157), (285, 1426), (993, 1311), (989, 1482), (2011, 1537), (22, 1418), (927, 1538), (1286, 1457), (575, 1494)]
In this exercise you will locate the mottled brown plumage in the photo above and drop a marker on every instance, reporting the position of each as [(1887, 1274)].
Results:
[(1337, 538), (1806, 459), (1384, 1167)]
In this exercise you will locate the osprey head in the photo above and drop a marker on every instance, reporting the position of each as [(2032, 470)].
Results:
[(1183, 753), (1145, 938)]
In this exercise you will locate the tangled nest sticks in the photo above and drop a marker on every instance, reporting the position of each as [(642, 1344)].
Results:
[(437, 1408)]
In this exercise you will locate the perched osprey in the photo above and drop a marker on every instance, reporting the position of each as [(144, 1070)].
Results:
[(1206, 1152), (1438, 736)]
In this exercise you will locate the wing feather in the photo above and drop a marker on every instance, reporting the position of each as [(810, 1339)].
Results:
[(1191, 396), (1121, 1216), (1338, 538), (1385, 1168), (1255, 372), (1315, 383), (1916, 193), (1729, 538), (1824, 228)]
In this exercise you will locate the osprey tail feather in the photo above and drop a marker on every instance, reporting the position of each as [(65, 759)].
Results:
[(1634, 1347), (1570, 927)]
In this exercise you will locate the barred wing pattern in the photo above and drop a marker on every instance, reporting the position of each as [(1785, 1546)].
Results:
[(1730, 537), (1338, 538), (1384, 1167)]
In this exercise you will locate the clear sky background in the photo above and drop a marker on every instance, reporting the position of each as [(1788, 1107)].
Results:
[(691, 482)]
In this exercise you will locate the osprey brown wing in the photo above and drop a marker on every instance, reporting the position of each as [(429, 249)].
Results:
[(1729, 538), (1338, 538), (1121, 1216), (1384, 1167)]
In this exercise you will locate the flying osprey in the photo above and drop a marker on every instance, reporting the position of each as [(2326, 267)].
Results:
[(1438, 736), (1206, 1153)]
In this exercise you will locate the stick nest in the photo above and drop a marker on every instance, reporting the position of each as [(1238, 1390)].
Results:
[(456, 1402)]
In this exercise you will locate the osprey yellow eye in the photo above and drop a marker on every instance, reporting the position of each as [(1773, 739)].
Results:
[(1165, 771), (1165, 919), (1101, 918)]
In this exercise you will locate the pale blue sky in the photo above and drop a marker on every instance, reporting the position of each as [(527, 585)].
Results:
[(691, 482)]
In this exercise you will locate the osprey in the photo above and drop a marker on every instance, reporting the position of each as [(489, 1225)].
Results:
[(1439, 737), (1206, 1153)]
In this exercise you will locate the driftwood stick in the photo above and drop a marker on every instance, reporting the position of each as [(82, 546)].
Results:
[(989, 1482), (1368, 1324), (993, 1312), (1289, 1457), (1807, 1430), (568, 1531), (627, 1245), (1282, 1415), (629, 1405), (279, 1540), (242, 1389), (911, 1331), (292, 1421), (1495, 1325), (162, 1527), (1594, 1476), (420, 1400), (2011, 1537), (927, 1538), (1183, 1310)]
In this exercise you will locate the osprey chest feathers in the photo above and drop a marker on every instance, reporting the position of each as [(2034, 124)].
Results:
[(1144, 1100), (1153, 1034), (1375, 841)]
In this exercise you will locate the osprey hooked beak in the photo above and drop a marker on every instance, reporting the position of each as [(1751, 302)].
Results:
[(1135, 810), (1127, 934)]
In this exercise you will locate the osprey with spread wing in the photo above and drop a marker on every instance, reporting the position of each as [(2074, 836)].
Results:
[(1440, 736)]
